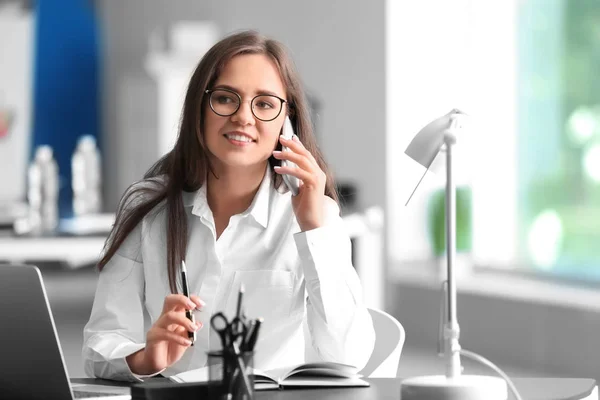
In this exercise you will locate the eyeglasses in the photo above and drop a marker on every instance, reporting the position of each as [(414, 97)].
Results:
[(225, 102)]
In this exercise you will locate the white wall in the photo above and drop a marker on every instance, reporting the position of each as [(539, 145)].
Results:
[(338, 46), (16, 76), (428, 70)]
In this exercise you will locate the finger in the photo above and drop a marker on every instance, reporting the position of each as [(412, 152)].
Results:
[(298, 159), (308, 173), (177, 302), (198, 301), (157, 334), (184, 328), (305, 177), (297, 148), (172, 319), (179, 330), (296, 145)]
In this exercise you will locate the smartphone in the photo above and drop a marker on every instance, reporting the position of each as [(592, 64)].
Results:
[(291, 182)]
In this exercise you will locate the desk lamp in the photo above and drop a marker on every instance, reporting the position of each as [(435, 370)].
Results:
[(438, 136)]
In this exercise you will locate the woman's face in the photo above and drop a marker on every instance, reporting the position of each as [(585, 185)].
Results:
[(242, 140)]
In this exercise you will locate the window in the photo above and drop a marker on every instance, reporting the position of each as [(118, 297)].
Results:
[(558, 141), (527, 72)]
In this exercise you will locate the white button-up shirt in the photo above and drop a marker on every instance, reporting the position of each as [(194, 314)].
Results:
[(302, 283)]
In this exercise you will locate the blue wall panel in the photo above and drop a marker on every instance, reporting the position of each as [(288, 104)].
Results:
[(66, 82)]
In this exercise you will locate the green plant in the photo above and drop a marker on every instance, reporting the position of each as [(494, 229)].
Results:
[(437, 220)]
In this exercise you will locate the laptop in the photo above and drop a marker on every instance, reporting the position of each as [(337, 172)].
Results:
[(32, 365)]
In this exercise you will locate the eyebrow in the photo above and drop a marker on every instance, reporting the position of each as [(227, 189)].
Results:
[(259, 91)]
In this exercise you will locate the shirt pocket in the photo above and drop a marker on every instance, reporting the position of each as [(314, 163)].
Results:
[(268, 294)]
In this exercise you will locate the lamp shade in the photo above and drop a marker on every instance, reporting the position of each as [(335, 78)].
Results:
[(427, 143)]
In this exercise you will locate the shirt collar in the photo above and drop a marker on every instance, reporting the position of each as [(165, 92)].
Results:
[(259, 208)]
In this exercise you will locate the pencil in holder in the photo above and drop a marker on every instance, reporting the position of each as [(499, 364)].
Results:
[(234, 372)]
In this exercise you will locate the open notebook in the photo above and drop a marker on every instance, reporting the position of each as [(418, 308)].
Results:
[(306, 375)]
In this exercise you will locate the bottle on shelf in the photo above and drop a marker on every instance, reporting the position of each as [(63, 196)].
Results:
[(86, 177), (42, 192)]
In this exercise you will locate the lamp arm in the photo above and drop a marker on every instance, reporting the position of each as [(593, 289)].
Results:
[(451, 330), (441, 344)]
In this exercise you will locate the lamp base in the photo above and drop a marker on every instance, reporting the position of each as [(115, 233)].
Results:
[(464, 387)]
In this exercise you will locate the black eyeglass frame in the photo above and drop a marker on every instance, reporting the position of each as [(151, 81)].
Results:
[(210, 92)]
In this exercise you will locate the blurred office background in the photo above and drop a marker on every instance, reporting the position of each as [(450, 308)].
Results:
[(376, 72)]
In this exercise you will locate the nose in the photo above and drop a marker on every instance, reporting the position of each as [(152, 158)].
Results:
[(243, 115)]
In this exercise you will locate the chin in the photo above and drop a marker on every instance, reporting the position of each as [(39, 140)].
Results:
[(235, 161)]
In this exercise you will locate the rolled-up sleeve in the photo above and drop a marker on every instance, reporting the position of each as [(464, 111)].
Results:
[(339, 323)]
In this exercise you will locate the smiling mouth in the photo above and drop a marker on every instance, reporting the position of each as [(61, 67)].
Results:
[(238, 138)]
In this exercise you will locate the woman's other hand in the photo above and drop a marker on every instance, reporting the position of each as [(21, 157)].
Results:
[(167, 339)]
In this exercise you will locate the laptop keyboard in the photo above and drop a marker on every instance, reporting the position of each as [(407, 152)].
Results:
[(78, 394)]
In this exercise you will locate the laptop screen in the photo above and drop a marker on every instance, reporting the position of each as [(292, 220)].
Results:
[(33, 365)]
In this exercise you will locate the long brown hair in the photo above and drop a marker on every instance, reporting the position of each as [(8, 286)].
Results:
[(186, 166)]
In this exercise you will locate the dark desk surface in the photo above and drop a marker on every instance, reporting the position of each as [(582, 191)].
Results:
[(384, 389)]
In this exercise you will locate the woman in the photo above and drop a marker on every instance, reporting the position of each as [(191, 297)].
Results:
[(218, 202)]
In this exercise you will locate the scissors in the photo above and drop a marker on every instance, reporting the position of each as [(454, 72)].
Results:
[(230, 332)]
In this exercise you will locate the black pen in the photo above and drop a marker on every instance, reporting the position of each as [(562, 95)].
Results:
[(186, 293), (249, 331), (239, 303), (254, 335)]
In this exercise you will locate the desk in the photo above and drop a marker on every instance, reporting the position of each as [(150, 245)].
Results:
[(78, 242), (74, 251), (389, 389)]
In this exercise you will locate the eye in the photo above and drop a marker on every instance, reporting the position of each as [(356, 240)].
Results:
[(224, 99), (264, 102)]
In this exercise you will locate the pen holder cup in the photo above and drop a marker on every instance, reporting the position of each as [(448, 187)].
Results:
[(226, 367)]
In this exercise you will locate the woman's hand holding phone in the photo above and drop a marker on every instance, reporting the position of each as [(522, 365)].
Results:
[(167, 339), (309, 202)]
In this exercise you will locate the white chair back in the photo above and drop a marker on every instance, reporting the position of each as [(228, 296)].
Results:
[(389, 340)]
